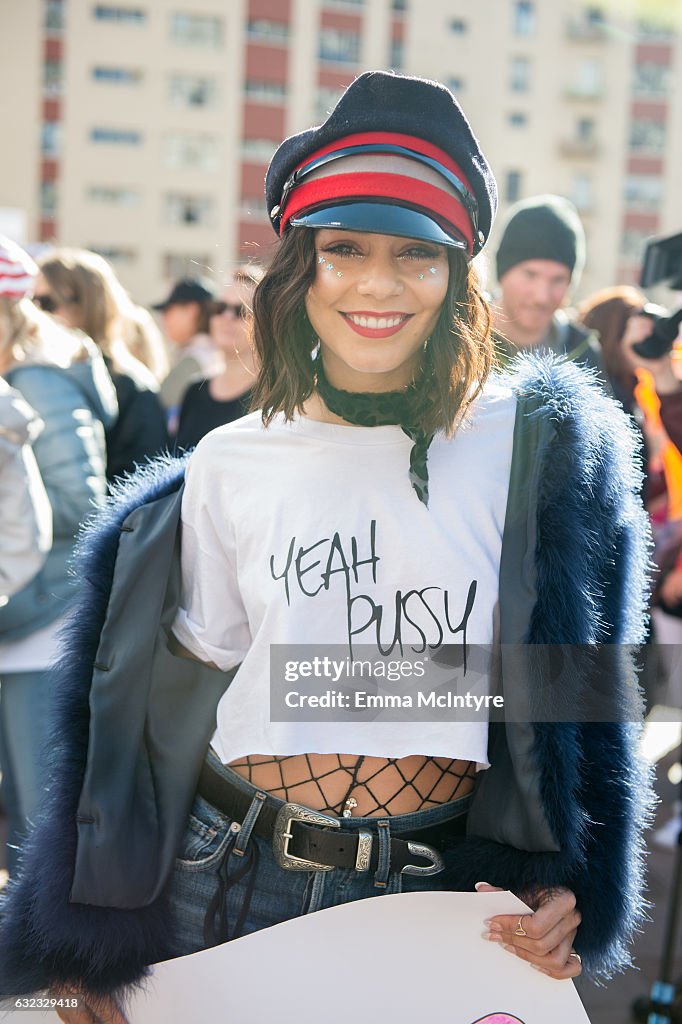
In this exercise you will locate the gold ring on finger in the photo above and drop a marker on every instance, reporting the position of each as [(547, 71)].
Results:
[(520, 930), (577, 957)]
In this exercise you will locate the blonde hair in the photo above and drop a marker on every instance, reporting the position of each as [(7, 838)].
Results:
[(146, 343), (85, 280), (29, 336)]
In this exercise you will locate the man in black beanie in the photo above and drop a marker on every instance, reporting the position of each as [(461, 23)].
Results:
[(540, 256)]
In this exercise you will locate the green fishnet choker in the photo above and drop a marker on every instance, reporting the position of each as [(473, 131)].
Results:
[(377, 409)]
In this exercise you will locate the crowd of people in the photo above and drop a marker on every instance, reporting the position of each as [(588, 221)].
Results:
[(380, 377), (539, 260)]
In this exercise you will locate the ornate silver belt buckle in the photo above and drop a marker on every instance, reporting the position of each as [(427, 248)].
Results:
[(428, 853), (282, 835)]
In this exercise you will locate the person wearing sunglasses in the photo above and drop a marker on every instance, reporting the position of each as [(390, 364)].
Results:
[(214, 401), (81, 290), (389, 496)]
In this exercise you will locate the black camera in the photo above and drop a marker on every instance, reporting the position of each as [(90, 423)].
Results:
[(662, 262)]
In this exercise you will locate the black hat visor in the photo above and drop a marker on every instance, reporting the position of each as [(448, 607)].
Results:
[(380, 219)]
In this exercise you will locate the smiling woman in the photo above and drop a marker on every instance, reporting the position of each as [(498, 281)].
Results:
[(383, 291), (387, 498)]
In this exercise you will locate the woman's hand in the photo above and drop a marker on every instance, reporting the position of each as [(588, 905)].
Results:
[(549, 932), (91, 1009)]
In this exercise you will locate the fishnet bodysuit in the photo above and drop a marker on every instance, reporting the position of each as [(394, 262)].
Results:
[(365, 786)]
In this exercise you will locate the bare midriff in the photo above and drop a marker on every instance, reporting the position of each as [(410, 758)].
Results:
[(364, 786), (360, 785)]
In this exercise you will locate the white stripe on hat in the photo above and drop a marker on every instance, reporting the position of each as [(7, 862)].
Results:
[(17, 270)]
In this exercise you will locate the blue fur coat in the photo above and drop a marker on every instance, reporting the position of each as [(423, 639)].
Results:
[(587, 575)]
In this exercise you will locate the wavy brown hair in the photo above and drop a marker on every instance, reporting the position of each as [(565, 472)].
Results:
[(607, 313), (455, 365)]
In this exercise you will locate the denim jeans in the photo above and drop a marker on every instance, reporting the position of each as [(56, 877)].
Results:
[(227, 882), (24, 703)]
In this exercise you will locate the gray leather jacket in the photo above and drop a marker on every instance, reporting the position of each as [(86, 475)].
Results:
[(25, 514), (75, 403)]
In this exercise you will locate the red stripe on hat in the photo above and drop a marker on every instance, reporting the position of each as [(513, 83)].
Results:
[(435, 202), (392, 139)]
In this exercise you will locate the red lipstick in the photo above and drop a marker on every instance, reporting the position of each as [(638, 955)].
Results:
[(376, 325)]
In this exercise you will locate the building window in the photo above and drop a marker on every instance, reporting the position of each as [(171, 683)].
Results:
[(588, 80), (458, 27), (116, 136), (647, 136), (52, 77), (519, 74), (632, 245), (192, 91), (265, 92), (326, 100), (581, 192), (396, 55), (398, 5), (524, 18), (512, 186), (50, 138), (594, 16), (54, 16), (651, 79), (48, 198), (517, 119), (196, 30), (189, 210), (339, 46), (121, 257), (655, 31), (262, 31), (185, 149), (584, 129), (644, 192), (122, 15), (117, 76), (590, 77), (259, 150), (588, 24), (112, 195)]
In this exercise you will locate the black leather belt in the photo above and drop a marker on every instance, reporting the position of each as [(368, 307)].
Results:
[(306, 840)]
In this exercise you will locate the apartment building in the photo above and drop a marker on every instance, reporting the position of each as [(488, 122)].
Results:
[(143, 128)]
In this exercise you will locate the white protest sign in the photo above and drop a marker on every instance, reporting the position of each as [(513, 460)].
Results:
[(416, 956), (411, 957)]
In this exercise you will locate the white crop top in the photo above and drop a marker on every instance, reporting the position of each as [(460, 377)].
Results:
[(268, 512)]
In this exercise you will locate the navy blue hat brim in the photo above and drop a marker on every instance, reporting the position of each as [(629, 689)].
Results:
[(380, 101), (381, 219)]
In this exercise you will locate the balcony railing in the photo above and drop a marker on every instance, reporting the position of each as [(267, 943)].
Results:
[(579, 148), (576, 91), (586, 31)]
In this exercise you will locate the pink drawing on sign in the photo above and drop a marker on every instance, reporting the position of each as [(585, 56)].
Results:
[(498, 1018)]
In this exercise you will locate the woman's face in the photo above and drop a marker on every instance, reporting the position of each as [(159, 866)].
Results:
[(62, 308), (374, 302), (227, 325)]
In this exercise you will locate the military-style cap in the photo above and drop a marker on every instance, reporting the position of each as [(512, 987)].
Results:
[(396, 156)]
